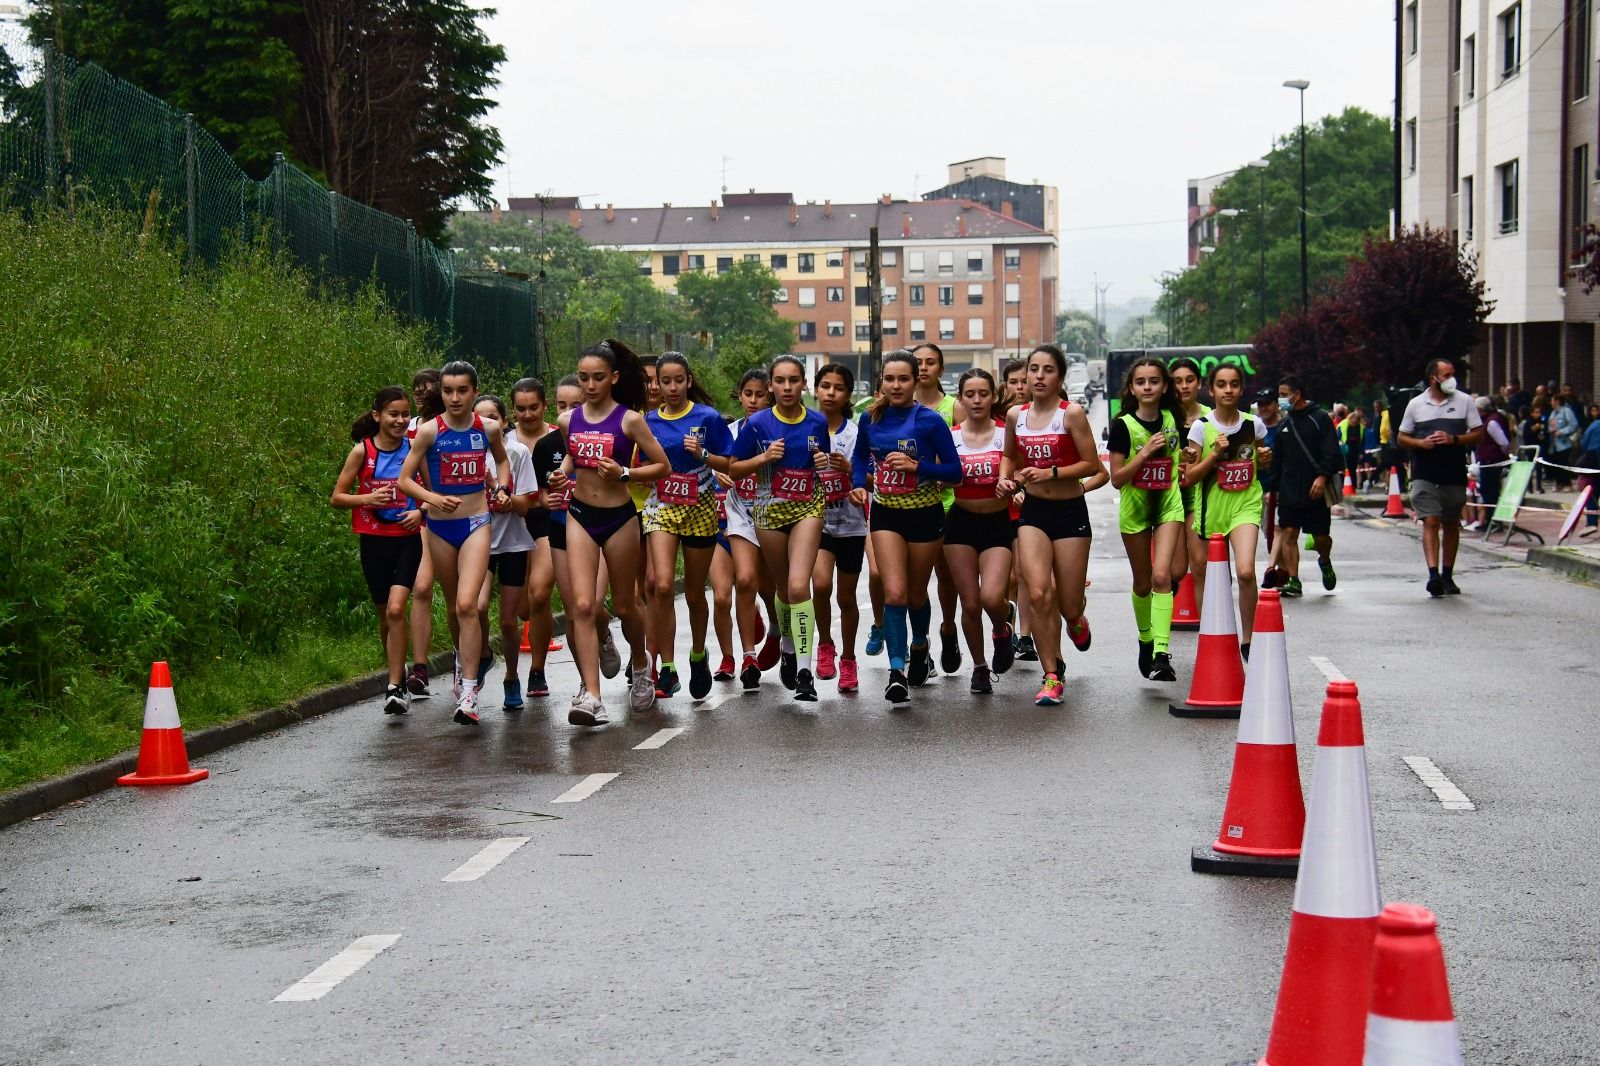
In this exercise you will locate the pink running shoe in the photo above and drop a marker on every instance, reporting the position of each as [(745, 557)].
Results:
[(770, 652), (1050, 694), (848, 682), (825, 662), (1079, 634)]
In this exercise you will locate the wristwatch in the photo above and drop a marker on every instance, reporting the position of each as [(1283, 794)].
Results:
[(626, 475)]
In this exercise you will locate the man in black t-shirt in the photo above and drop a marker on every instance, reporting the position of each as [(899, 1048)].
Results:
[(1308, 459)]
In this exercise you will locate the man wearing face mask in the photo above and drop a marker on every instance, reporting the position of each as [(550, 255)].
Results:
[(1440, 425), (1308, 461)]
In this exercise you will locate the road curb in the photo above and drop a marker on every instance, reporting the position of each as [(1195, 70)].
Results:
[(1566, 561)]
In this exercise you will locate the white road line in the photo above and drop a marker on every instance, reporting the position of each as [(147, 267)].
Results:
[(658, 739), (492, 855), (709, 704), (1451, 798), (325, 978), (585, 788), (1329, 671)]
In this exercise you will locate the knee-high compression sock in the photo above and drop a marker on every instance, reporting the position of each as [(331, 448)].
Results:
[(1141, 616), (894, 635), (1161, 619), (921, 618), (803, 623), (785, 626)]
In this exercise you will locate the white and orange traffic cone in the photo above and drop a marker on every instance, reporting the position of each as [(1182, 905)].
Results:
[(1349, 485), (1216, 687), (1321, 1015), (526, 645), (1411, 1020), (163, 758), (1185, 615), (1264, 818), (1397, 506)]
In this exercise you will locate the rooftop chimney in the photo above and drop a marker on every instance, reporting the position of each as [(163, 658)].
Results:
[(905, 225), (885, 199), (576, 218), (611, 214), (961, 225), (713, 210), (794, 215), (827, 209)]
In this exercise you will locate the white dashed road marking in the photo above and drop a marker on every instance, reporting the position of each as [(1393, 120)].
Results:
[(658, 739), (1329, 671), (585, 788), (491, 856), (1451, 798), (325, 978)]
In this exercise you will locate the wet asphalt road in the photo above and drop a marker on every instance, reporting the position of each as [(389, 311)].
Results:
[(971, 880)]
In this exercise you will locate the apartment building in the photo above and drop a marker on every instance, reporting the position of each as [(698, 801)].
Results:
[(1498, 135), (983, 180), (1203, 212), (977, 281)]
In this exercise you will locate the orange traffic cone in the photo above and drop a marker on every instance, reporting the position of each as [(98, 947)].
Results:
[(1320, 1019), (1411, 1019), (555, 645), (1349, 486), (163, 759), (1397, 507), (1185, 615), (1265, 815), (1216, 688), (525, 645)]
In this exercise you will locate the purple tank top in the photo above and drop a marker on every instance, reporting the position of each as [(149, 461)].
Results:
[(589, 442)]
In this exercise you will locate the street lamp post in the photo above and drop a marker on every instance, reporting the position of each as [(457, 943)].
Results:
[(1300, 85), (1260, 167), (1231, 213), (1207, 249)]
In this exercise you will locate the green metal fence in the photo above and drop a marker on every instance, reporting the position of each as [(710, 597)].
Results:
[(70, 131)]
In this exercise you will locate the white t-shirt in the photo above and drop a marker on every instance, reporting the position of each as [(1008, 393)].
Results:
[(1197, 432), (510, 529), (844, 519)]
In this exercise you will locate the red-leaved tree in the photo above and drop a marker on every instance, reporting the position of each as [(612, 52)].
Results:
[(1311, 345)]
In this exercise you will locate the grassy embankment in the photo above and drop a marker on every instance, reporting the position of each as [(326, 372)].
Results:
[(168, 439)]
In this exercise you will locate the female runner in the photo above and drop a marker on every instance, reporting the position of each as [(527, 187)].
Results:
[(682, 511), (1145, 451), (454, 446), (978, 529), (1016, 379), (528, 407), (391, 542), (907, 451), (1225, 460), (930, 393), (1049, 450), (1190, 555), (786, 446), (602, 521), (425, 396), (750, 574), (844, 534), (510, 547)]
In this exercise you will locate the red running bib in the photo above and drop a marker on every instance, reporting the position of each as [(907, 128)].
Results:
[(796, 485), (1155, 475), (589, 448), (980, 473), (1043, 449), (834, 486), (1235, 475), (679, 490), (461, 468)]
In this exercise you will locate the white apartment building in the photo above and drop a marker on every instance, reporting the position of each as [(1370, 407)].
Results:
[(1498, 136)]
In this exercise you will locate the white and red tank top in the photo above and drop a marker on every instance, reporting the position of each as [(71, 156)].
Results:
[(1051, 446), (980, 466)]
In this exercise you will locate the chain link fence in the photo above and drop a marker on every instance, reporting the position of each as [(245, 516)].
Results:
[(71, 131)]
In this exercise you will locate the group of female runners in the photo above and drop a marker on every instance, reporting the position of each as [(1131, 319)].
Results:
[(980, 494)]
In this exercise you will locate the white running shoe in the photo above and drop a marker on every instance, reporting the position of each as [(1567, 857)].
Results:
[(610, 660), (643, 694), (467, 707), (586, 710)]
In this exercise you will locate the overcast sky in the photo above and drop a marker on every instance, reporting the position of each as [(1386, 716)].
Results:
[(1119, 104)]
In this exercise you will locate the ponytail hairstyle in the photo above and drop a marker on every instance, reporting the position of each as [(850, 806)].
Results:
[(880, 402), (459, 368), (1168, 400), (367, 425), (696, 393), (533, 385), (432, 402), (495, 401), (997, 401), (631, 390), (755, 373)]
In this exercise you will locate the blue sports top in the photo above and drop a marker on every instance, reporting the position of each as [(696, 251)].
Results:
[(714, 440), (800, 439), (456, 464), (918, 431)]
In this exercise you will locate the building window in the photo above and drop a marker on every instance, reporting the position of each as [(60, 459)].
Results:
[(888, 257), (1582, 49), (914, 262), (780, 295), (1579, 183), (859, 260), (975, 294), (1411, 28), (1455, 145), (808, 263), (974, 261), (918, 297), (1469, 64), (752, 257), (835, 259), (974, 329), (807, 331), (1411, 146), (1506, 180), (806, 297), (644, 264), (947, 295), (919, 329), (836, 294), (863, 296), (697, 262), (724, 263), (669, 264), (863, 331), (780, 262), (1013, 292), (891, 327), (947, 262), (1510, 40), (1013, 329), (836, 329), (947, 329), (1468, 208), (1013, 258), (890, 294)]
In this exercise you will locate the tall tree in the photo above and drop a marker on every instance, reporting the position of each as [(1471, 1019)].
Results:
[(1077, 331), (737, 304)]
